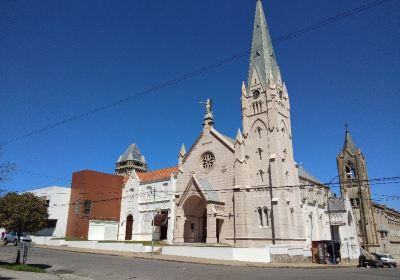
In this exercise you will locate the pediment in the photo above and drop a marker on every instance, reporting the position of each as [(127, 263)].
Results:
[(224, 140), (202, 188)]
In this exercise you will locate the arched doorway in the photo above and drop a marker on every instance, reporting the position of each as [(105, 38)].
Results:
[(195, 228), (128, 229)]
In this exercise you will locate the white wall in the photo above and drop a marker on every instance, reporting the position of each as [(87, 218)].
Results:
[(102, 230), (58, 208), (220, 253), (124, 247), (138, 201), (349, 248)]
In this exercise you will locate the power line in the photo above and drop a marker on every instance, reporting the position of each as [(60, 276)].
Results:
[(258, 188), (197, 72), (373, 181)]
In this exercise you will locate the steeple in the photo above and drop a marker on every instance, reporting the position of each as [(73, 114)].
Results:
[(262, 57), (348, 142)]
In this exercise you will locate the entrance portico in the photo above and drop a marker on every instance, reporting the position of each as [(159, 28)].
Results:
[(196, 214)]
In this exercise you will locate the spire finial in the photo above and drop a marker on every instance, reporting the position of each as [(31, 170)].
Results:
[(347, 127), (208, 117), (239, 136), (182, 152)]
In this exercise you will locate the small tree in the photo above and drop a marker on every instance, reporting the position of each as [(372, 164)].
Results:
[(6, 169), (22, 213)]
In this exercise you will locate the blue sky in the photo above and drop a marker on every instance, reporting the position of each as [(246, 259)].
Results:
[(61, 58)]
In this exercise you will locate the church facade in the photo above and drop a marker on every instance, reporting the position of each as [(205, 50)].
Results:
[(244, 191)]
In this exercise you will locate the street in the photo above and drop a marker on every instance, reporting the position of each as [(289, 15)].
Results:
[(95, 266)]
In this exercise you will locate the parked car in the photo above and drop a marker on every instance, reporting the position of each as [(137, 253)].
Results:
[(11, 237), (387, 260)]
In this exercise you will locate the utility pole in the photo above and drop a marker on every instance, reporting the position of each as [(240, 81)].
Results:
[(272, 206), (152, 223), (234, 216), (330, 228), (330, 221)]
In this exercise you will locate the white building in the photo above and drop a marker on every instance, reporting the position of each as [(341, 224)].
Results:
[(144, 196), (57, 199), (323, 220)]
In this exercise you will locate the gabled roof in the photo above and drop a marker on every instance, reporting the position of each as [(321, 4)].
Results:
[(203, 187), (303, 173), (132, 153), (208, 191), (225, 139), (156, 175)]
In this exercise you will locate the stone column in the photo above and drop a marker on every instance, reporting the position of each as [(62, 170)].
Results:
[(211, 225)]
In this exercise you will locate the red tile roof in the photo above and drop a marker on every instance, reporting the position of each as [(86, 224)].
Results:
[(156, 175)]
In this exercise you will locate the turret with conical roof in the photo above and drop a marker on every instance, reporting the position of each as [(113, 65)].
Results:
[(131, 159)]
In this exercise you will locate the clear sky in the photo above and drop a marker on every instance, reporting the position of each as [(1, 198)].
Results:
[(62, 58)]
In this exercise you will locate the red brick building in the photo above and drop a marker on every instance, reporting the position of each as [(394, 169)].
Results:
[(95, 200)]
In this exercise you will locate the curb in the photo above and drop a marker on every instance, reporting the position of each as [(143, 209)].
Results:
[(196, 260)]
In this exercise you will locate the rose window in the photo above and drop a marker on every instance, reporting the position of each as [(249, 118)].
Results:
[(207, 161)]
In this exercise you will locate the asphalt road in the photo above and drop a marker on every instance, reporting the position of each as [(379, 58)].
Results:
[(95, 266)]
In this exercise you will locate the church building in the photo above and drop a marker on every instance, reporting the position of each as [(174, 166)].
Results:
[(244, 191), (378, 226)]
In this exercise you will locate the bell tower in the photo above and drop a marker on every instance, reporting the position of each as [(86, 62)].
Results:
[(353, 176), (267, 134)]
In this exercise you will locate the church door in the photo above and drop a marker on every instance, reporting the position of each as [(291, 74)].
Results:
[(218, 229), (195, 228), (128, 229)]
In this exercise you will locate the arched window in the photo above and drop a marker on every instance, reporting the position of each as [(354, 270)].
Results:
[(261, 173), (259, 152), (350, 171), (349, 218), (266, 216), (291, 217), (258, 129), (280, 94), (260, 218)]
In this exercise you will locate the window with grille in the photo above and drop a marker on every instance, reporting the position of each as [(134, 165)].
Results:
[(87, 207)]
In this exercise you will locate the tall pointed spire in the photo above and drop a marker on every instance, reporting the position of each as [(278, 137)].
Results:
[(262, 57), (348, 142)]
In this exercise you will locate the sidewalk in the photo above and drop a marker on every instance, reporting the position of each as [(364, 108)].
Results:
[(12, 274), (160, 257)]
